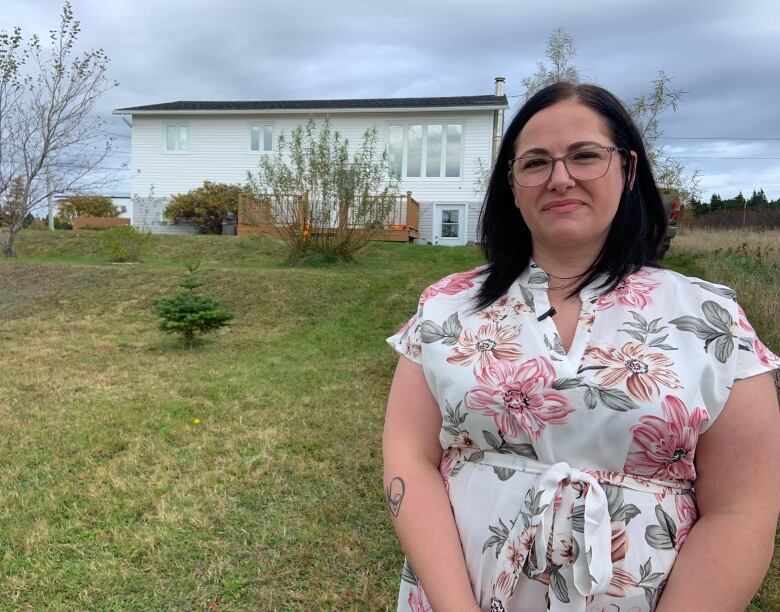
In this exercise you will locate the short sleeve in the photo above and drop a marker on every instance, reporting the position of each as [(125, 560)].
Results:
[(754, 357), (407, 340), (747, 357)]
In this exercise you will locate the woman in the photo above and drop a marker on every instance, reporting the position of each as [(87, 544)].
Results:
[(552, 409)]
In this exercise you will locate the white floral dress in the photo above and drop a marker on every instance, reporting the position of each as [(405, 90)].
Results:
[(570, 474)]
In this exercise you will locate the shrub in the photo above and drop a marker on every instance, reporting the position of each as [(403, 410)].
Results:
[(189, 313), (123, 243), (205, 206), (84, 206), (765, 218), (323, 196), (39, 224)]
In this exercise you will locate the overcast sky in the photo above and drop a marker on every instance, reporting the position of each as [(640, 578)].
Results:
[(726, 55)]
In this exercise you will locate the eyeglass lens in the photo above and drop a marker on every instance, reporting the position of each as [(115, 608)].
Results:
[(583, 165)]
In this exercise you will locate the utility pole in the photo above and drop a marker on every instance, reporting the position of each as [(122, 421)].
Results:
[(50, 199)]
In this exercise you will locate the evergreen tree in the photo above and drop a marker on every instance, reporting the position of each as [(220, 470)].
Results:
[(758, 200), (715, 202), (699, 208), (190, 313)]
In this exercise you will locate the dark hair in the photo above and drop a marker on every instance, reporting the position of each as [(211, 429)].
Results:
[(636, 231)]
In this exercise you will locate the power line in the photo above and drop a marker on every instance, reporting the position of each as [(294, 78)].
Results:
[(114, 134), (65, 165), (704, 157), (764, 138)]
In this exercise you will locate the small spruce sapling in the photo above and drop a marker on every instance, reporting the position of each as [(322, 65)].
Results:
[(190, 313)]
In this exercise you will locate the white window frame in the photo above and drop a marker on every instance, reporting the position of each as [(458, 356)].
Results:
[(177, 150), (249, 137), (462, 224), (424, 152)]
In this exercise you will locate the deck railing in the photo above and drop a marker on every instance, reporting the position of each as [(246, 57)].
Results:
[(278, 211)]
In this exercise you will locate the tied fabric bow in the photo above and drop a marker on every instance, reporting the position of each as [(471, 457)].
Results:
[(589, 527)]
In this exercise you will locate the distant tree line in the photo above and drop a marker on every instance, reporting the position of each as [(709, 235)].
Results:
[(756, 201), (757, 211)]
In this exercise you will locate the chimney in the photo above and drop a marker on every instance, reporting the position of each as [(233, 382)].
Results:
[(500, 86), (498, 121)]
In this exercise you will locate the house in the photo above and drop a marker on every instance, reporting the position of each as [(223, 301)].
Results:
[(440, 146), (123, 203)]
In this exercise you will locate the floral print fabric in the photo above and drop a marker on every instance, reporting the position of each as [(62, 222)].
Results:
[(570, 474)]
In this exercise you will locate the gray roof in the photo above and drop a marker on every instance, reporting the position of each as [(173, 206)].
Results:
[(308, 105)]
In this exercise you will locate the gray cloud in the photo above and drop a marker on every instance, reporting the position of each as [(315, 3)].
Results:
[(723, 54)]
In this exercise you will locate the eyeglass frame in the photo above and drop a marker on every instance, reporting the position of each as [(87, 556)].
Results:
[(562, 158)]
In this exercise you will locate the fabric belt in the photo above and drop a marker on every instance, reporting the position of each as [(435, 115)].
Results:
[(589, 526)]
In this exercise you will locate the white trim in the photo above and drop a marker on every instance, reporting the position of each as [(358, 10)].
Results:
[(311, 111), (252, 124), (442, 176), (179, 124), (463, 223)]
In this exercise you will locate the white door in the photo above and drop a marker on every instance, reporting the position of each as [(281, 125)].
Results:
[(449, 224)]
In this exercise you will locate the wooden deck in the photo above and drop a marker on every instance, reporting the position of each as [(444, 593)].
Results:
[(400, 225)]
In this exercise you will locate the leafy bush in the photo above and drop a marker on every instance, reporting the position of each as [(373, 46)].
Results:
[(38, 224), (323, 196), (61, 225), (189, 313), (123, 243), (84, 206), (205, 206)]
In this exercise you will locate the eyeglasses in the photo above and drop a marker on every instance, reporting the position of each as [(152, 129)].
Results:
[(585, 164)]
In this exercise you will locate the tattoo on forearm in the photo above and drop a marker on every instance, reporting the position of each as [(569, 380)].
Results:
[(394, 494)]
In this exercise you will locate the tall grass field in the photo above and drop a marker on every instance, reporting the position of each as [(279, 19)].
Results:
[(245, 473)]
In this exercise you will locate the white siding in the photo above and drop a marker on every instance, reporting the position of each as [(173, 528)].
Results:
[(219, 145), (127, 202), (426, 221), (148, 217), (472, 231), (472, 219)]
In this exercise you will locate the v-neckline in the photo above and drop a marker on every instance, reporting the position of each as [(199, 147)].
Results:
[(551, 336), (537, 281)]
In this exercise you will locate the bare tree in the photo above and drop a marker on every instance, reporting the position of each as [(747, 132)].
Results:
[(560, 50), (50, 139), (12, 56), (646, 110)]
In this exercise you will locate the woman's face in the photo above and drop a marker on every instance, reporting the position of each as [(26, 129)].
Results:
[(565, 212)]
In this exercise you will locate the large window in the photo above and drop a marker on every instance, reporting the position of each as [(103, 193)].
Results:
[(177, 138), (426, 150), (261, 138)]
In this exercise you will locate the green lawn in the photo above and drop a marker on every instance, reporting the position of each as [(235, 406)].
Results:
[(115, 498)]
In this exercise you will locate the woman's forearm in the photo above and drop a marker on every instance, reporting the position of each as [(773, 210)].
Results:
[(721, 564), (423, 520)]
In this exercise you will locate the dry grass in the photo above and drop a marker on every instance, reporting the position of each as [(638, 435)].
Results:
[(707, 240), (747, 261), (113, 498)]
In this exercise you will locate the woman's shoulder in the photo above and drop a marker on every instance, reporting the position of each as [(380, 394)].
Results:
[(456, 284), (666, 293), (690, 287)]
